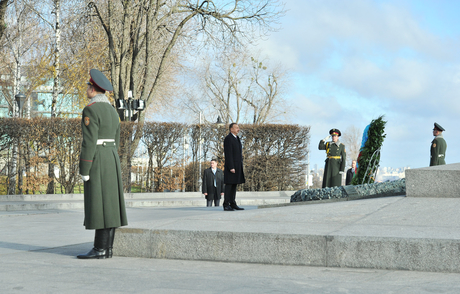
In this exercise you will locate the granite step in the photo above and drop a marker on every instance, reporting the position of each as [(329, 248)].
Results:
[(186, 199)]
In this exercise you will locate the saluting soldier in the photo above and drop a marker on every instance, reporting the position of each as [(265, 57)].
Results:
[(438, 147), (335, 161), (100, 168)]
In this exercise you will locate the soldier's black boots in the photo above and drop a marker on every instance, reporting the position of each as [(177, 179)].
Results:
[(111, 238), (95, 253), (103, 243)]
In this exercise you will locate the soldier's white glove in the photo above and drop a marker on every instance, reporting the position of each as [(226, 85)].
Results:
[(327, 138), (84, 178), (341, 172)]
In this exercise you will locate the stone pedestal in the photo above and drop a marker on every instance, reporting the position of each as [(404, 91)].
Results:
[(442, 181)]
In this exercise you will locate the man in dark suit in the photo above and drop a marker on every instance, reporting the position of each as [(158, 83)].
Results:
[(233, 171), (350, 173), (213, 184)]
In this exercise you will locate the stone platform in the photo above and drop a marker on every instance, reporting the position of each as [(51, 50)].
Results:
[(436, 181), (399, 233), (420, 232), (33, 202), (38, 253)]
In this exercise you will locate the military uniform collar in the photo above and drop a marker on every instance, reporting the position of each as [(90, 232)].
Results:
[(99, 98), (439, 136), (338, 143)]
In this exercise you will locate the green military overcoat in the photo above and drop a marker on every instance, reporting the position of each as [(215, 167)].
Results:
[(335, 163), (438, 151), (104, 200)]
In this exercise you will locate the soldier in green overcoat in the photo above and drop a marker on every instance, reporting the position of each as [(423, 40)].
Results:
[(100, 168), (438, 147), (335, 161)]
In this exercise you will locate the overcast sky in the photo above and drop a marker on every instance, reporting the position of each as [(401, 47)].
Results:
[(353, 60)]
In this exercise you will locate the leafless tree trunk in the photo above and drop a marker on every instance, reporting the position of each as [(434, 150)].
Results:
[(16, 45), (57, 50), (56, 84), (351, 137)]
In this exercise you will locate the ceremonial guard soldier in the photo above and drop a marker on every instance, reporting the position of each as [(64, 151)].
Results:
[(100, 168), (335, 161), (438, 147)]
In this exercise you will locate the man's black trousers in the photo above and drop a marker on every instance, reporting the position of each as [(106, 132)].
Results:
[(230, 194)]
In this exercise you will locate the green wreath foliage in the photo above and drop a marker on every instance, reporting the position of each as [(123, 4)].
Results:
[(376, 135)]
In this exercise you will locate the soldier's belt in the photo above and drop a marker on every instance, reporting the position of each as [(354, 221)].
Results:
[(334, 157), (102, 141)]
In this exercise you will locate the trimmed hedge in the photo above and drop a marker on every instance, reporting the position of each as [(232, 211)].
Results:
[(47, 151)]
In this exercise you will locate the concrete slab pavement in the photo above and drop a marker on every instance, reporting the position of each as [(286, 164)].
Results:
[(38, 249), (384, 233)]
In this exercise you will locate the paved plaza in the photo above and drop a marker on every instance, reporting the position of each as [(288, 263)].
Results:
[(38, 249)]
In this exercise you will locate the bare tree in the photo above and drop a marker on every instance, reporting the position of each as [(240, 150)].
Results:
[(267, 101), (20, 40), (84, 46), (224, 87), (143, 35), (35, 39), (56, 4), (352, 139), (239, 88), (42, 50)]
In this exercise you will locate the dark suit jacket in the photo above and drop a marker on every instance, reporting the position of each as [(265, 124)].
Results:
[(233, 160), (208, 183), (349, 177)]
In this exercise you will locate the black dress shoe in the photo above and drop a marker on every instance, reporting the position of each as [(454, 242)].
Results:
[(236, 207), (95, 253), (228, 208)]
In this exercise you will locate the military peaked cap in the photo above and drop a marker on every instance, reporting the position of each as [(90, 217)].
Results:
[(438, 127), (99, 80), (335, 132)]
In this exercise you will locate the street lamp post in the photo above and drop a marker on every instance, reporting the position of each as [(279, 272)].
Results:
[(220, 124), (199, 157), (130, 105), (185, 149), (308, 166), (20, 98)]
